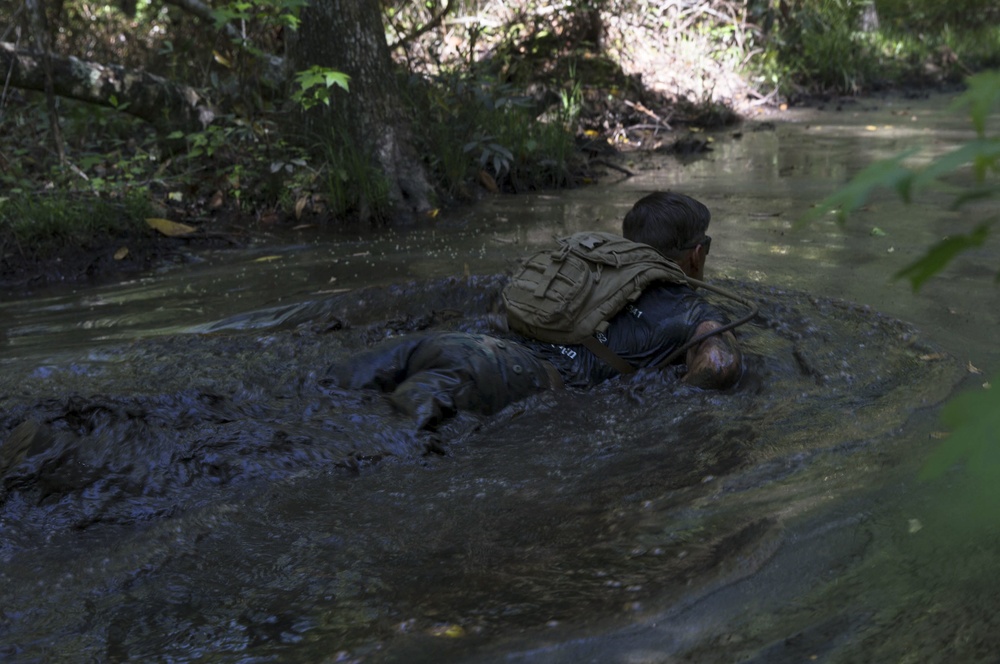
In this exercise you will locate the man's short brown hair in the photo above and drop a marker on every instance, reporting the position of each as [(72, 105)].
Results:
[(666, 221)]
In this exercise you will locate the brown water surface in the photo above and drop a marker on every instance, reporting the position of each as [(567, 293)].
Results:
[(177, 484)]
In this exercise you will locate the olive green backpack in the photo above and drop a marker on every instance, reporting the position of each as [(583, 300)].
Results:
[(565, 295)]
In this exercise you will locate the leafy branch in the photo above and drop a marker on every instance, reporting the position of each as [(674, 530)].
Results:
[(981, 154), (315, 83), (974, 416)]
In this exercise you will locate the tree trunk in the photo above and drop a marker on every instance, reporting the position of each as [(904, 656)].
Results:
[(40, 28), (348, 36), (165, 104)]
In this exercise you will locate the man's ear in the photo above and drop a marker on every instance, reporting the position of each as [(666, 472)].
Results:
[(692, 256)]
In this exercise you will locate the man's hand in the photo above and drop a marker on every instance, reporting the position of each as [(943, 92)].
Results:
[(715, 363)]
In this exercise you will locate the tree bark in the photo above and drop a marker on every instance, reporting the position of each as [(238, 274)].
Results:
[(163, 103), (348, 36)]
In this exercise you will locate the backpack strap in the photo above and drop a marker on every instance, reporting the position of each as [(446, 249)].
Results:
[(603, 352), (550, 273)]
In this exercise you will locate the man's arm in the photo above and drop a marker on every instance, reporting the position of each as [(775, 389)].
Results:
[(715, 363)]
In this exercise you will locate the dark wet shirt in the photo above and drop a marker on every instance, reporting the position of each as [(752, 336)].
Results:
[(644, 333)]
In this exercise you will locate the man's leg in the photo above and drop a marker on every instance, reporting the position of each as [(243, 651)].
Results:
[(473, 372), (382, 368), (432, 376)]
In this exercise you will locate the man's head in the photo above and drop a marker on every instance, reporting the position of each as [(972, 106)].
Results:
[(673, 224)]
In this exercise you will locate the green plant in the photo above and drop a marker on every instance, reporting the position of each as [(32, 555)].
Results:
[(43, 226), (974, 417), (855, 45), (818, 44), (571, 100), (352, 184), (470, 124), (314, 86), (490, 153), (981, 156)]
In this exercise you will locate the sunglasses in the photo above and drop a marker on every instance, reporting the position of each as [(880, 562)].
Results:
[(705, 241)]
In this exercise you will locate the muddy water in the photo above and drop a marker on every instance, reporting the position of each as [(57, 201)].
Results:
[(178, 484)]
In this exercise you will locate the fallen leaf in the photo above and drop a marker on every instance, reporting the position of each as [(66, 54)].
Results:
[(914, 526), (931, 357), (972, 368), (488, 182), (871, 128), (121, 253), (300, 205), (300, 227), (877, 232), (170, 228), (266, 259), (433, 213), (939, 435), (216, 201), (449, 631), (987, 385), (222, 60)]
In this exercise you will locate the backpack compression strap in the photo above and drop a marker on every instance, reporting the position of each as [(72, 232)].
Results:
[(616, 361)]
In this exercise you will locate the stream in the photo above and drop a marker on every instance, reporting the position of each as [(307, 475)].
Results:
[(178, 483)]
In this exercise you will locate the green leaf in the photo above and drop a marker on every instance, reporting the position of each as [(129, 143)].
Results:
[(938, 256), (983, 154), (884, 173), (982, 95), (974, 418), (337, 78)]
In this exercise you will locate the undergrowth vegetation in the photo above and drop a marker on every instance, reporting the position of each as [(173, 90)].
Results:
[(856, 46), (44, 224)]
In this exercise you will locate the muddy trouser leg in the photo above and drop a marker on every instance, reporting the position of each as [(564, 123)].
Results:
[(457, 371), (433, 376), (382, 368)]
